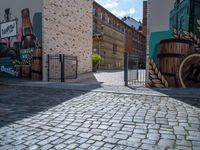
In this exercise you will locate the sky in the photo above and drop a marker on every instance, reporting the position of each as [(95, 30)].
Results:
[(121, 8)]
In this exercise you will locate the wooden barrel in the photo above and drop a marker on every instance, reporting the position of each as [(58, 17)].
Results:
[(23, 71), (36, 65), (170, 55)]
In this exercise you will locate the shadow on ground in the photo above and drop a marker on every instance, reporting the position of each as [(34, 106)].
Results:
[(189, 96), (26, 100)]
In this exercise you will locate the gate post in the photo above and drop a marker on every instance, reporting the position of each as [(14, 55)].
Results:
[(126, 68), (62, 67), (48, 75)]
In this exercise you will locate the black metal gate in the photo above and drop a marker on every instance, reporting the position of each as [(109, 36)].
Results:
[(62, 67), (134, 70)]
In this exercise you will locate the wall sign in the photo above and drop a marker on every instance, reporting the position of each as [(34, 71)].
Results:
[(8, 29)]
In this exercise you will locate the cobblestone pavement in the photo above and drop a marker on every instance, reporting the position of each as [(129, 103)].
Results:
[(40, 118)]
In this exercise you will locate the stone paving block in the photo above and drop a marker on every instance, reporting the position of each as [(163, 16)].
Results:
[(83, 129), (57, 141), (111, 140), (108, 145), (120, 136), (97, 138), (85, 135), (98, 144), (104, 127), (72, 146), (60, 146), (183, 143), (69, 132), (152, 147), (166, 143), (33, 147), (45, 147), (93, 148), (84, 145), (148, 141), (108, 133), (168, 136)]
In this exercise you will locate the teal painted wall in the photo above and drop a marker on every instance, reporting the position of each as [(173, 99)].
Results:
[(155, 39)]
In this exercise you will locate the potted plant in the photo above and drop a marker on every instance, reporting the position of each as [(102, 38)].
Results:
[(95, 61), (23, 68)]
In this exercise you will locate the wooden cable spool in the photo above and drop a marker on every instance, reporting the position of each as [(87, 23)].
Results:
[(36, 65), (189, 71), (170, 55)]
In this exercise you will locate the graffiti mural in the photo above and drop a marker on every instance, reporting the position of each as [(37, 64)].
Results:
[(21, 35), (175, 54)]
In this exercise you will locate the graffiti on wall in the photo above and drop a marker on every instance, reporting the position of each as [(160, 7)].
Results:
[(175, 52), (21, 43), (18, 47), (177, 62)]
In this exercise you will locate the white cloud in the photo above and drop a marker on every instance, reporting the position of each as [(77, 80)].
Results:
[(122, 13), (120, 8), (119, 13), (132, 11), (109, 4)]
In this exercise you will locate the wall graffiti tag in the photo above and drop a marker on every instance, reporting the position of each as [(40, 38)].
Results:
[(10, 71)]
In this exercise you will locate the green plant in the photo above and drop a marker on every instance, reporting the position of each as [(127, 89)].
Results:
[(96, 59)]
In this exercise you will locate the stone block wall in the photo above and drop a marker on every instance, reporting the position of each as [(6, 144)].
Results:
[(67, 29)]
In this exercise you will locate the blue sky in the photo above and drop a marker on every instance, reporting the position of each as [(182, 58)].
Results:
[(121, 8)]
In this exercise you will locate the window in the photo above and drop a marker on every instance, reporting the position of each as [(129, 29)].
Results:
[(94, 11), (95, 27), (101, 15), (108, 20), (114, 48)]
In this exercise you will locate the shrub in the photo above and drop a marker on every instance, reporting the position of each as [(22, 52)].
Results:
[(96, 59)]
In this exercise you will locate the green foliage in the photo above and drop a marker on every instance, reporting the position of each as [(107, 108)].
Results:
[(96, 59)]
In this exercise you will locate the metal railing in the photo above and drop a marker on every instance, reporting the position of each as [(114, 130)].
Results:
[(62, 67), (134, 70)]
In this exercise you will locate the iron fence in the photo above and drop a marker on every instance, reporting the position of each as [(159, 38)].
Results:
[(62, 67), (134, 70)]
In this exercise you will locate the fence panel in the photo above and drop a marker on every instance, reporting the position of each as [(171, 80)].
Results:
[(134, 70), (62, 67)]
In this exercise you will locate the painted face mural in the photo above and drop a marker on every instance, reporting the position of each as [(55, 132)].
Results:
[(21, 33), (175, 54)]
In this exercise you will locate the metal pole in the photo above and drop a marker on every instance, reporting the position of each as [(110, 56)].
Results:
[(62, 67), (126, 68), (76, 67), (48, 68)]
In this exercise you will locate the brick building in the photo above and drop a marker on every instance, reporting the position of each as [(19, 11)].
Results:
[(108, 37), (112, 37)]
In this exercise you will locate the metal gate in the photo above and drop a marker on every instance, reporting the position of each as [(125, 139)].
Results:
[(62, 67), (134, 70)]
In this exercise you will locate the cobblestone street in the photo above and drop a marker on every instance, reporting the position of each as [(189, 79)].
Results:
[(41, 118)]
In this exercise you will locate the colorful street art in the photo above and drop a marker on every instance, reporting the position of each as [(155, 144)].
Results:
[(175, 54), (20, 38)]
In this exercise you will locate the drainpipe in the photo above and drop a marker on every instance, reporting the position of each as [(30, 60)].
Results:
[(99, 50)]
